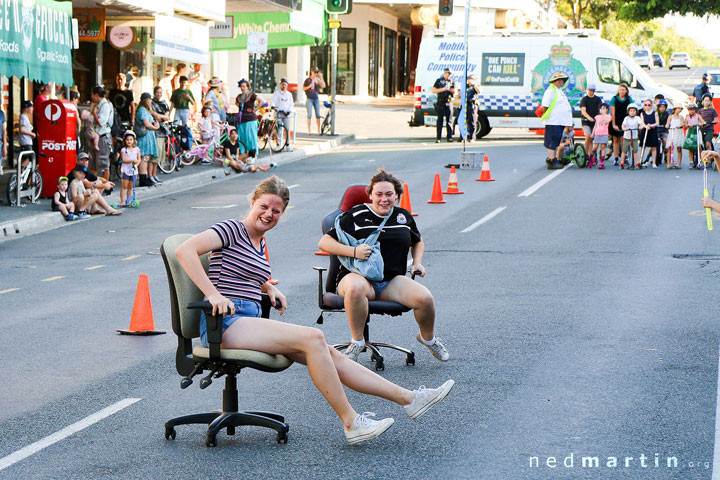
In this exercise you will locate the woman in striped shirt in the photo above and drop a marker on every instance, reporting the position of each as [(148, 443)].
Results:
[(239, 274)]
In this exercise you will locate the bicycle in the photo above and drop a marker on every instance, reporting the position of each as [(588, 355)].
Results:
[(326, 125), (269, 129), (211, 152), (31, 180), (173, 150)]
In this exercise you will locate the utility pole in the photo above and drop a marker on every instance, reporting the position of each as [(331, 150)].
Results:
[(333, 75)]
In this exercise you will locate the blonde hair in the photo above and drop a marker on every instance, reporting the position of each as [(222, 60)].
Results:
[(273, 186)]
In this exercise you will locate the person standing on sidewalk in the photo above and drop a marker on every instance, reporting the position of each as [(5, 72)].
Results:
[(444, 88), (703, 89), (103, 118), (282, 102), (197, 83), (471, 107), (25, 130), (589, 109), (145, 128), (161, 114), (216, 97), (310, 87), (181, 100), (123, 101), (557, 115), (248, 124)]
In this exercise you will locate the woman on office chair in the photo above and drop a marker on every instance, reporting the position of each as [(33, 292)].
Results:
[(239, 273), (399, 236)]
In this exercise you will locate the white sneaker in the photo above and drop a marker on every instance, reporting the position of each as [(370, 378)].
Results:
[(425, 398), (352, 351), (365, 428), (437, 349)]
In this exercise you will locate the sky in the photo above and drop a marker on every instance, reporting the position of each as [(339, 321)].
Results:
[(702, 30)]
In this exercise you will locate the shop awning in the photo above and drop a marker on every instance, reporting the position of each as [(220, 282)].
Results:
[(284, 29), (36, 41)]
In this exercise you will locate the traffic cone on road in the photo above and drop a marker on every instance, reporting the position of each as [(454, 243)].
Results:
[(270, 281), (485, 173), (436, 196), (320, 252), (405, 200), (453, 188), (141, 321)]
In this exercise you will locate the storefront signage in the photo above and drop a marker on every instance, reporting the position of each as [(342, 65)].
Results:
[(257, 42), (502, 69), (35, 40), (122, 38), (223, 29), (181, 40), (91, 24)]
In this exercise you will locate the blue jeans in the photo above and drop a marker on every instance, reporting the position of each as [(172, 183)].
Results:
[(243, 308), (313, 102), (182, 115)]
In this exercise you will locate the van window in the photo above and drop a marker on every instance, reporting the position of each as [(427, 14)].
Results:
[(615, 72)]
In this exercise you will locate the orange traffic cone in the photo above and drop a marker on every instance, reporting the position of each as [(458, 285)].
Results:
[(405, 200), (320, 252), (437, 191), (485, 173), (453, 188), (271, 281), (141, 321)]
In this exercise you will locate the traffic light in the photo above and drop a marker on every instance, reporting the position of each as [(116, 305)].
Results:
[(445, 8), (338, 6)]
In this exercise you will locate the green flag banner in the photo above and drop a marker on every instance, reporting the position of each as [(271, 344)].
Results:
[(36, 40)]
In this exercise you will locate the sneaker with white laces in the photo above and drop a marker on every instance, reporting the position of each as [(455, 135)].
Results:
[(365, 428), (352, 351), (437, 349), (425, 398)]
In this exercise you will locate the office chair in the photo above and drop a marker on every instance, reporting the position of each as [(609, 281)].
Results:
[(186, 300), (330, 301)]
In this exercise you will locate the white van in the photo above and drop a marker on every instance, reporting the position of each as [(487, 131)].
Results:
[(513, 72)]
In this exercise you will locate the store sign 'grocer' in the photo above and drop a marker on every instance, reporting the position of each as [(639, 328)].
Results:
[(502, 69), (35, 40)]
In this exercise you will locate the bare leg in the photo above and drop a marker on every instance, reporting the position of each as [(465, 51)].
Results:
[(63, 210), (317, 120), (143, 167), (102, 203), (413, 295), (357, 292), (308, 123)]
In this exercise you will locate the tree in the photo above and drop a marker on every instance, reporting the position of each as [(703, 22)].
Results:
[(586, 13), (640, 10)]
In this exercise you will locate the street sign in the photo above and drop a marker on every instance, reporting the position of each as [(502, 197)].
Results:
[(334, 23), (257, 42)]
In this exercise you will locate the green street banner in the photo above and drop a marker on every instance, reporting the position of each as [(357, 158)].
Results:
[(36, 40)]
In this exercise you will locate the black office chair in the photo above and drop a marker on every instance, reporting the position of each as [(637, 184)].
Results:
[(330, 301), (186, 300)]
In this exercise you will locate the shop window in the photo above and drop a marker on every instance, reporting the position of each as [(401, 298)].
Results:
[(321, 56)]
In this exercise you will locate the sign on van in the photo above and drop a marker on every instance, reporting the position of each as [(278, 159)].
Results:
[(502, 69)]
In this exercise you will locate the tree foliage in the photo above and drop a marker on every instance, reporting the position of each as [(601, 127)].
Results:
[(641, 10), (586, 13)]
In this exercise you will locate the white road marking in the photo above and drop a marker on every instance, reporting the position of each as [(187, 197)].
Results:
[(542, 182), (33, 448), (8, 290), (52, 279), (215, 208), (94, 267), (293, 186), (716, 451), (131, 257), (486, 218)]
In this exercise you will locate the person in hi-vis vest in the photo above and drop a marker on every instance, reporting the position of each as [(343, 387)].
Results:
[(557, 115)]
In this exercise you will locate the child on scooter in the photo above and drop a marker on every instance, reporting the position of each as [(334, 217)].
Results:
[(61, 202), (692, 121), (630, 126), (676, 136), (130, 155), (600, 135)]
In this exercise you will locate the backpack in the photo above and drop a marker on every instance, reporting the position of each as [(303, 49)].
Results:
[(116, 129)]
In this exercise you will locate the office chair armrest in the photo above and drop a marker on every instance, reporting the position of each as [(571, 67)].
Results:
[(214, 327), (320, 271)]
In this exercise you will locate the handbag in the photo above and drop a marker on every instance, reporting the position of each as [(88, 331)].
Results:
[(140, 129), (372, 268), (691, 140)]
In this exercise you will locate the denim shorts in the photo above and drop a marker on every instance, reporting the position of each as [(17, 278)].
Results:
[(125, 176), (378, 287), (313, 103), (243, 308)]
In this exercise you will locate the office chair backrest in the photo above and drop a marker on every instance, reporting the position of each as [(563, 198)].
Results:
[(354, 195), (182, 290)]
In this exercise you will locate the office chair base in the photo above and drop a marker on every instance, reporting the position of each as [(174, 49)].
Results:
[(376, 356)]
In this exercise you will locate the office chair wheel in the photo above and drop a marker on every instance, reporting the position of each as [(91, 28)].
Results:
[(170, 433), (210, 441), (410, 360), (185, 382), (379, 365), (282, 437)]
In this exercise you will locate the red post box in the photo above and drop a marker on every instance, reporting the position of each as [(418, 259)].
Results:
[(57, 140)]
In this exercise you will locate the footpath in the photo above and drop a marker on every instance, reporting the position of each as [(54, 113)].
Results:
[(29, 219)]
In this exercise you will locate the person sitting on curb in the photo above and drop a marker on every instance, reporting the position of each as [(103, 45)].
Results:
[(105, 187), (61, 202), (243, 162), (88, 200)]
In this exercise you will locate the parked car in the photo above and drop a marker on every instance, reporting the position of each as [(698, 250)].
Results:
[(643, 57), (658, 60), (680, 59)]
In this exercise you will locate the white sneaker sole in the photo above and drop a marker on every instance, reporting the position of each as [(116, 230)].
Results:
[(371, 435), (445, 389)]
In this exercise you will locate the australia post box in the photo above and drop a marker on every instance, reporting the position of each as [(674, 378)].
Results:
[(57, 140)]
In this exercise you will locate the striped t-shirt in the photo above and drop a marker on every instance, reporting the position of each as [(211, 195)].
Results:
[(238, 270)]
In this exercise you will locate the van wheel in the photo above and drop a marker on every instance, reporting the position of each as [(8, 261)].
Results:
[(484, 126)]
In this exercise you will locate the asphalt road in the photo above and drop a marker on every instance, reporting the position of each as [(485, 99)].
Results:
[(581, 320)]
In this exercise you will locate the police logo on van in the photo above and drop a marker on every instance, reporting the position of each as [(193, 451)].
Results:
[(559, 60)]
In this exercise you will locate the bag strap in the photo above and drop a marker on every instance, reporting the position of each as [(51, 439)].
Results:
[(372, 238), (552, 104)]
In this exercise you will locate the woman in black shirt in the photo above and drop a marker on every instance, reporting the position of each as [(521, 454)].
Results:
[(399, 236)]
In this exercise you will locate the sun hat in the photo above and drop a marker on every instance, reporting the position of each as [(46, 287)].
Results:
[(214, 82), (558, 76)]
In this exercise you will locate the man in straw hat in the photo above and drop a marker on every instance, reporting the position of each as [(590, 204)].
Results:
[(557, 116)]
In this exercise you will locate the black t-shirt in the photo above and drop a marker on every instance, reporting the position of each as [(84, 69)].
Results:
[(161, 107), (470, 94), (121, 100), (592, 106), (232, 146), (443, 97), (396, 237)]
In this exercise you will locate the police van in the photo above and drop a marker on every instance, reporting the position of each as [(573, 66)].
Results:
[(513, 71)]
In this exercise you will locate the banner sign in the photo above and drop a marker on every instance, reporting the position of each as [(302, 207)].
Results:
[(505, 69), (181, 40), (36, 39), (91, 24)]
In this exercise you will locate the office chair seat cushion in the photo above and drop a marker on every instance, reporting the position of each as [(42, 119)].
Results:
[(378, 307), (247, 358)]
